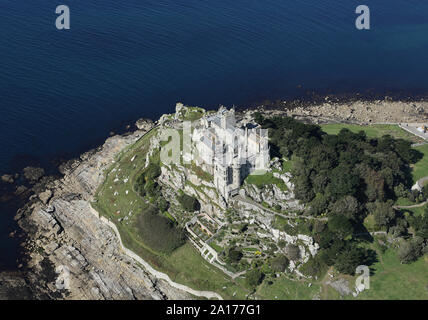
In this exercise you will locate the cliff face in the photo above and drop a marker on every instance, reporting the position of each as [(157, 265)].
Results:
[(72, 253)]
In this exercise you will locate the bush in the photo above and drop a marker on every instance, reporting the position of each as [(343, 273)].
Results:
[(234, 255), (146, 183), (312, 267), (410, 250), (159, 232), (254, 277), (189, 203), (279, 263)]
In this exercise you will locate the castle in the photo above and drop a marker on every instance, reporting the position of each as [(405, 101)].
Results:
[(227, 152)]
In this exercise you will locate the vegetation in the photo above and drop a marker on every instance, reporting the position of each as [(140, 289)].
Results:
[(188, 203), (159, 232), (279, 263), (420, 168), (254, 277), (347, 177), (261, 180), (184, 265), (372, 131)]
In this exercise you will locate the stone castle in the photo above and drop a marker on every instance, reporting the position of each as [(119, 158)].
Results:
[(228, 152)]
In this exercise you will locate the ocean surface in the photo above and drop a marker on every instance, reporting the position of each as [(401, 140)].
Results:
[(62, 92)]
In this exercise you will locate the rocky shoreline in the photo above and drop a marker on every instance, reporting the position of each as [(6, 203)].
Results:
[(61, 235), (332, 110), (63, 239)]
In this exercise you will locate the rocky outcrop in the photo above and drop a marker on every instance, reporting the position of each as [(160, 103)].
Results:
[(81, 255), (33, 174), (272, 195), (178, 177)]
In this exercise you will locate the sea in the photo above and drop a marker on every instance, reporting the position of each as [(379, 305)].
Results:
[(63, 91)]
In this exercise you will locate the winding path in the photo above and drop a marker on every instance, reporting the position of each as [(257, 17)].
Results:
[(148, 267), (412, 206)]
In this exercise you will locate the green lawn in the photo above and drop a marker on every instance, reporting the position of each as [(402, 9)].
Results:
[(420, 169), (372, 131), (286, 166), (393, 280), (261, 180), (416, 211), (283, 288)]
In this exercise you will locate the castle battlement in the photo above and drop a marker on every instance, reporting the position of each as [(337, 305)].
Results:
[(228, 152)]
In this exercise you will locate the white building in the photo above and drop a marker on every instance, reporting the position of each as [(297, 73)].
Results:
[(227, 152)]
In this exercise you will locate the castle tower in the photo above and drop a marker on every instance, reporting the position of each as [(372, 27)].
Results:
[(236, 169), (228, 119)]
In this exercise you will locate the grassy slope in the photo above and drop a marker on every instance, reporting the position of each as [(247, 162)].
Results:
[(261, 180), (184, 265), (393, 280)]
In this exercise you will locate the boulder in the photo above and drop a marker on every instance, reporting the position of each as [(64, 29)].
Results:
[(7, 178), (33, 174)]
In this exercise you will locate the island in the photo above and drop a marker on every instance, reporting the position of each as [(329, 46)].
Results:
[(290, 213)]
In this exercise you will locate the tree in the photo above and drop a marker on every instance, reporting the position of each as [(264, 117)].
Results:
[(318, 205), (189, 203), (383, 213), (340, 225), (312, 267), (343, 182), (254, 277), (234, 255), (348, 260), (162, 204), (420, 224), (347, 206), (279, 263), (425, 191), (408, 251), (375, 185), (282, 244)]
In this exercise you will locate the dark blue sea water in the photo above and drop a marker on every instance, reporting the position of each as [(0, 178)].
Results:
[(63, 91)]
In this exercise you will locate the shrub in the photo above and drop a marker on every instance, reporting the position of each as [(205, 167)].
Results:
[(254, 277), (234, 255), (279, 263), (189, 203), (159, 232)]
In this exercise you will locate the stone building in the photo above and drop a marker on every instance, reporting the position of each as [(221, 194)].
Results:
[(228, 152)]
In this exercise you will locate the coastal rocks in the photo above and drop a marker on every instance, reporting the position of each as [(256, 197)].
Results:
[(20, 190), (13, 287), (33, 174), (144, 124), (45, 196), (68, 241), (379, 111), (7, 178)]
